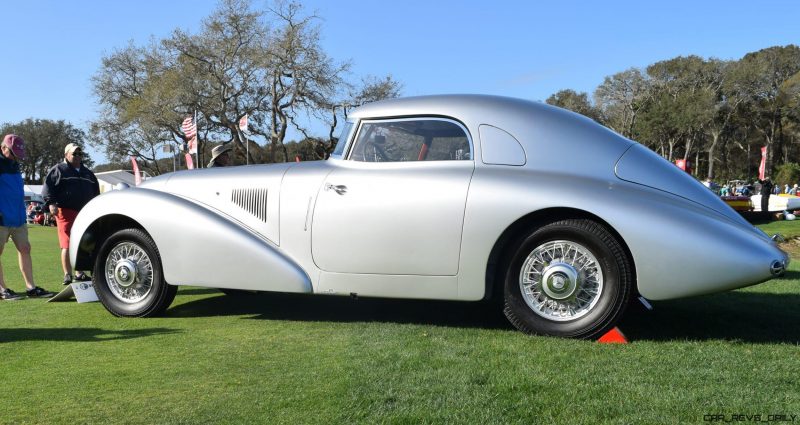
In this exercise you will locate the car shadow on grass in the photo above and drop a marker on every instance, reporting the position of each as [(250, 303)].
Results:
[(791, 275), (77, 334), (280, 306), (732, 316)]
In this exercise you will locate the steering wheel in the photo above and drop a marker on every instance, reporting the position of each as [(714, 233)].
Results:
[(379, 151)]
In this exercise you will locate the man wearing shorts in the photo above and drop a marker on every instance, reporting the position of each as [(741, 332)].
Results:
[(67, 188), (12, 217)]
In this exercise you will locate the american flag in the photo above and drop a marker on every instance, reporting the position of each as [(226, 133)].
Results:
[(243, 123), (189, 127)]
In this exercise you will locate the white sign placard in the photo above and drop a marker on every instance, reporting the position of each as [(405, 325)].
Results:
[(84, 292)]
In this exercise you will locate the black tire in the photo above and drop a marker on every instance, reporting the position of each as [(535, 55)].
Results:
[(112, 294), (594, 318)]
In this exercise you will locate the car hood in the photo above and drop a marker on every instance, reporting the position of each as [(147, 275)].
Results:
[(642, 166), (188, 183)]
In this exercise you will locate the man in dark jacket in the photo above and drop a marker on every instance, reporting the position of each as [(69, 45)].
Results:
[(766, 190), (67, 188)]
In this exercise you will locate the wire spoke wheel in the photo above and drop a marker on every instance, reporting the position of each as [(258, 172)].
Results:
[(129, 272), (561, 280), (569, 278), (130, 279)]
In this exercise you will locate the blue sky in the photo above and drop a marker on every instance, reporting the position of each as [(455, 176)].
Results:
[(526, 49)]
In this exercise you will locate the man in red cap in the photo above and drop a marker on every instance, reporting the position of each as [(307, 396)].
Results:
[(12, 216)]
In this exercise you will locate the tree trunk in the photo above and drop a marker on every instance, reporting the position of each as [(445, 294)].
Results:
[(671, 149), (770, 155), (711, 148), (783, 143), (282, 136), (333, 124), (155, 161), (688, 146), (696, 167)]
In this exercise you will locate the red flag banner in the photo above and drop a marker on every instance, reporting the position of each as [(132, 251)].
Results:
[(763, 166), (681, 163), (137, 177), (243, 123), (193, 144), (189, 162)]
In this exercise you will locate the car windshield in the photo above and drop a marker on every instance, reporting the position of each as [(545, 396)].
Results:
[(342, 140)]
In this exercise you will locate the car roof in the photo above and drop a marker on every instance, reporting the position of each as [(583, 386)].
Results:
[(454, 105), (556, 135)]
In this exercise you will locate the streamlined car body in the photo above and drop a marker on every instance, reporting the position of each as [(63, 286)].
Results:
[(453, 197)]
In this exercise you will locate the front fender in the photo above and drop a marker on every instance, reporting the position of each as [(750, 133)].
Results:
[(198, 246)]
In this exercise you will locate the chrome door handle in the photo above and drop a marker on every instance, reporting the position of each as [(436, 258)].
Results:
[(340, 189)]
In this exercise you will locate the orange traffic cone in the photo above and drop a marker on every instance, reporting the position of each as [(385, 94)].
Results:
[(614, 336)]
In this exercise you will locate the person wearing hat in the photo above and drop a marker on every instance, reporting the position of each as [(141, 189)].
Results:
[(69, 186), (12, 217), (220, 156)]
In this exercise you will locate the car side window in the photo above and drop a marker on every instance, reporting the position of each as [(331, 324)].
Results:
[(429, 139)]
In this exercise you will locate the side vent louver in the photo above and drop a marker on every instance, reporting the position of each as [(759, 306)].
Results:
[(253, 201)]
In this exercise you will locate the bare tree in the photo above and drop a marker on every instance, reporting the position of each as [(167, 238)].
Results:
[(222, 68), (621, 97), (370, 89), (301, 77), (268, 65), (130, 88)]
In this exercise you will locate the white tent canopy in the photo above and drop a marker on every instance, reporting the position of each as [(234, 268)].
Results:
[(33, 192)]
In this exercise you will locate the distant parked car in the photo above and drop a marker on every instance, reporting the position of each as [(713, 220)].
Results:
[(441, 197), (739, 203)]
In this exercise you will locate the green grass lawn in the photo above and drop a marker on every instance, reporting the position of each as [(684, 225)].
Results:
[(273, 358)]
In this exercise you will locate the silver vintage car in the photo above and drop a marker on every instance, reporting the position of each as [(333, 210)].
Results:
[(456, 197)]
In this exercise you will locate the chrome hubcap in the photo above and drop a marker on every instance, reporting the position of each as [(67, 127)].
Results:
[(561, 280), (125, 273), (129, 272)]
